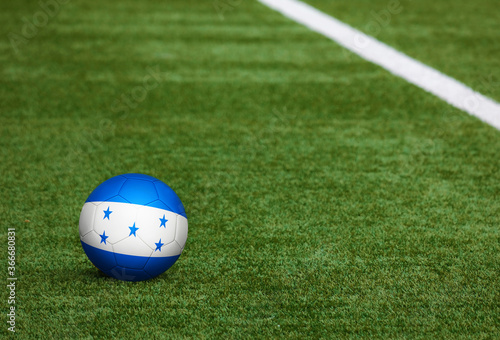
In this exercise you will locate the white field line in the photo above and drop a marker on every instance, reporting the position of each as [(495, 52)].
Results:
[(369, 48)]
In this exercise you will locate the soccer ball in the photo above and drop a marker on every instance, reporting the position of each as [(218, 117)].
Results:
[(133, 227)]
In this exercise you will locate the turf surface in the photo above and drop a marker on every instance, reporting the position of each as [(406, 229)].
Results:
[(325, 197), (459, 38)]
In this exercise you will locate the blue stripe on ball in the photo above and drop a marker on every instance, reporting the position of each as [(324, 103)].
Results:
[(129, 268)]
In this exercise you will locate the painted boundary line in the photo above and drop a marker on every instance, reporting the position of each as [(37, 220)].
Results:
[(448, 89)]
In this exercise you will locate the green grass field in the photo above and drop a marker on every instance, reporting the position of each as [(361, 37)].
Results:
[(326, 198)]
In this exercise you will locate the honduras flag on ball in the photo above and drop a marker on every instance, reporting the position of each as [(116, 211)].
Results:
[(133, 227)]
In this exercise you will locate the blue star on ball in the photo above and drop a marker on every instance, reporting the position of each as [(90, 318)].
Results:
[(163, 221), (104, 237), (133, 229), (159, 245), (106, 214)]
